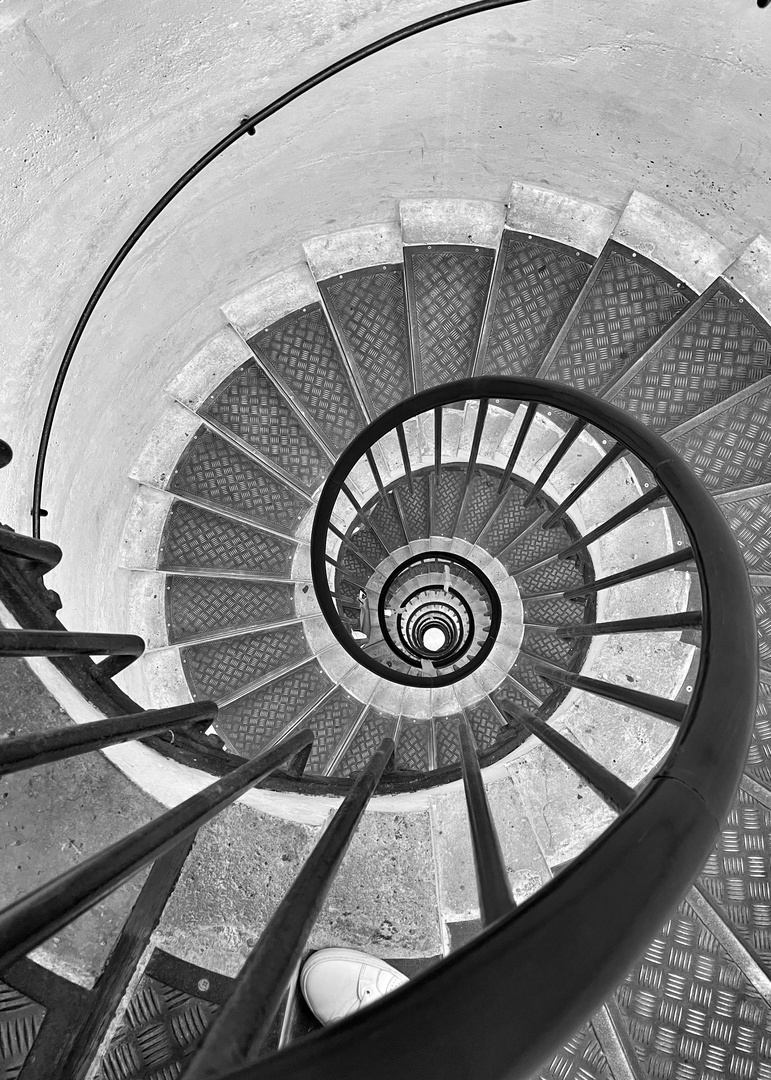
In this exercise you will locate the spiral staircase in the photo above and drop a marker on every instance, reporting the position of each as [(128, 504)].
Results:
[(313, 465)]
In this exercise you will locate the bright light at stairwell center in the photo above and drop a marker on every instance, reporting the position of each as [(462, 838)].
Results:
[(434, 639)]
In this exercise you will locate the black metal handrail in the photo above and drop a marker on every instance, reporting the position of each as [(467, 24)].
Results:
[(552, 961), (246, 127)]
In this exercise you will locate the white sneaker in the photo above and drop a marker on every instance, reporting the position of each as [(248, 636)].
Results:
[(338, 982)]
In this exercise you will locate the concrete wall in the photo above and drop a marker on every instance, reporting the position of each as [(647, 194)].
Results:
[(105, 104)]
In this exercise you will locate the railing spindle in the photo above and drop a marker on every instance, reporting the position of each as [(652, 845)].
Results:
[(518, 444), (570, 437), (583, 486), (345, 573), (609, 787), (676, 620), (612, 523), (362, 517), (350, 545), (438, 413), (29, 751), (673, 711), (120, 649), (401, 436), (495, 899), (375, 473), (240, 1029), (37, 916), (631, 574), (477, 437)]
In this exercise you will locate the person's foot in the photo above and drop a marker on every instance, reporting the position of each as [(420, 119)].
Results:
[(338, 982)]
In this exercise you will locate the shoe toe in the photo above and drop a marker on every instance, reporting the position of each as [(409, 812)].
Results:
[(330, 986), (337, 982)]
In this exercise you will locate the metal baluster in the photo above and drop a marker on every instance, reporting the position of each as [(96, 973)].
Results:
[(495, 899), (628, 512), (29, 751), (673, 711), (477, 437), (344, 573), (609, 787), (518, 444), (351, 546), (438, 413), (239, 1030), (375, 473), (121, 649), (583, 486), (401, 436), (677, 620), (632, 574), (368, 522), (570, 437)]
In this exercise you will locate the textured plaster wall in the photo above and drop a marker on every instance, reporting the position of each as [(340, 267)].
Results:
[(105, 104)]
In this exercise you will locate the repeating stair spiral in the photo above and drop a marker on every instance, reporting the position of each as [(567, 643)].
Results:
[(313, 357)]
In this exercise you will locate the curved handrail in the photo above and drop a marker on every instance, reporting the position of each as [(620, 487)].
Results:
[(498, 1007), (246, 127)]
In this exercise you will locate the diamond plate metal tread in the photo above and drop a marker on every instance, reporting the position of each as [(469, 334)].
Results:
[(523, 670), (509, 695), (631, 301), (482, 500), (555, 612), (485, 723), (255, 718), (330, 721), (249, 405), (737, 874), (733, 449), (215, 669), (758, 764), (539, 283), (367, 541), (20, 1021), (750, 521), (415, 506), (412, 746), (447, 495), (449, 288), (722, 349), (211, 469), (368, 307), (354, 566), (301, 350), (534, 546), (690, 1012), (548, 646), (581, 1058), (376, 727), (161, 1028), (200, 605), (557, 576), (512, 519), (199, 539), (446, 740), (762, 596), (386, 519)]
